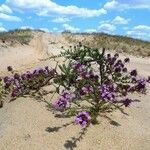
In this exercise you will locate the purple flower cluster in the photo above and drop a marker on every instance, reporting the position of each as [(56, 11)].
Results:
[(133, 73), (108, 92), (115, 65), (20, 84), (86, 89), (64, 100), (83, 119), (83, 72), (141, 85), (78, 67)]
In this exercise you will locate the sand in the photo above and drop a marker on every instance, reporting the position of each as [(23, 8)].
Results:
[(28, 124)]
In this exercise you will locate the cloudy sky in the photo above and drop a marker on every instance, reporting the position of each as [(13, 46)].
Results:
[(122, 17)]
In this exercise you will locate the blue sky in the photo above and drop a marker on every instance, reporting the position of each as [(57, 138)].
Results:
[(121, 17)]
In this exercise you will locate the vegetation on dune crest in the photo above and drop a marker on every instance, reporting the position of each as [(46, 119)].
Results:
[(111, 42), (16, 36)]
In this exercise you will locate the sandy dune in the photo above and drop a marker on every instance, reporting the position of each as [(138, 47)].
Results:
[(42, 46), (27, 124)]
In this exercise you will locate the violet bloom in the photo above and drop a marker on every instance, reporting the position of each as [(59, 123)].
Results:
[(6, 79), (83, 119), (108, 92), (23, 76), (141, 84), (126, 102), (68, 95), (29, 75), (15, 93), (79, 67), (118, 69), (87, 89), (61, 103), (16, 76), (64, 100), (133, 73)]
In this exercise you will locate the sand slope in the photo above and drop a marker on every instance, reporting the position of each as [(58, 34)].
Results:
[(42, 46)]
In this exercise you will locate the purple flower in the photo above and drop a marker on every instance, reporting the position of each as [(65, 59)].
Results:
[(15, 93), (126, 102), (23, 76), (68, 95), (29, 75), (108, 92), (117, 69), (64, 100), (83, 119), (6, 79), (16, 76), (61, 103), (133, 73), (9, 68), (87, 89), (79, 67), (141, 84)]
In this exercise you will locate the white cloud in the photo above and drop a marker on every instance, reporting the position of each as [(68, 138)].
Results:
[(120, 20), (107, 28), (5, 9), (60, 20), (140, 31), (127, 4), (26, 27), (45, 7), (2, 29), (111, 5), (9, 17), (70, 28), (90, 30)]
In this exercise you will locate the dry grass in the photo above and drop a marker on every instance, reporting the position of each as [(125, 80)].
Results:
[(112, 42), (16, 36)]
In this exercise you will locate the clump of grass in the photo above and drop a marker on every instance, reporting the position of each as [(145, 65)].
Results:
[(16, 36)]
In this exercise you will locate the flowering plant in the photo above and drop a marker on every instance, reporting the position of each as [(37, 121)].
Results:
[(21, 84), (94, 82)]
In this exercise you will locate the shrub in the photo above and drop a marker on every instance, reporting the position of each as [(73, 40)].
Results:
[(93, 82)]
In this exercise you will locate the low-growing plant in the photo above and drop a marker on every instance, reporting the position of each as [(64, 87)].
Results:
[(93, 82), (22, 84)]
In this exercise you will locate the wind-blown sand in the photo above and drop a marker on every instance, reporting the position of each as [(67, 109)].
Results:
[(27, 124)]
